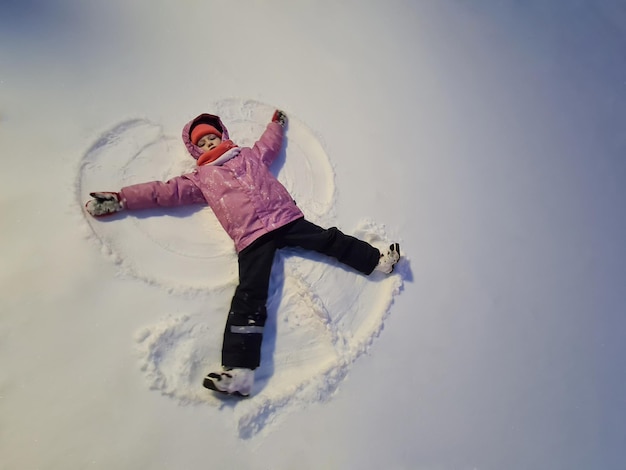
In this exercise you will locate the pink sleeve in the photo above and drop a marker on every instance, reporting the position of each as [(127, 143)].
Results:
[(178, 191), (270, 143)]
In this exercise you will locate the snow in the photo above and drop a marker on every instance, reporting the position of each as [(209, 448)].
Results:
[(486, 137)]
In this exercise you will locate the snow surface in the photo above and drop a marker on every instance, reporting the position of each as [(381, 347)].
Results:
[(486, 137)]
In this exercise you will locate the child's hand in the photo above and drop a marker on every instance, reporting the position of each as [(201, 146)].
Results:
[(104, 203), (280, 117)]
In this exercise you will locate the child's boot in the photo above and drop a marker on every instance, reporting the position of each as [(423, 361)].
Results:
[(231, 381), (388, 259)]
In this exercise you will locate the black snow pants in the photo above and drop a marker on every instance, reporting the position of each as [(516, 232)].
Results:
[(246, 319)]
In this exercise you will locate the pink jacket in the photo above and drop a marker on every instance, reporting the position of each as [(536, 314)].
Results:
[(242, 192)]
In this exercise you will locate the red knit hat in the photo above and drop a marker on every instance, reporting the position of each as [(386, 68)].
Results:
[(201, 130)]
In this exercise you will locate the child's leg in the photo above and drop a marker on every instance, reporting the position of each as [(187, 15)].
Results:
[(244, 327), (349, 250)]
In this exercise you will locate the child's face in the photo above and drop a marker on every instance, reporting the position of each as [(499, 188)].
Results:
[(209, 142)]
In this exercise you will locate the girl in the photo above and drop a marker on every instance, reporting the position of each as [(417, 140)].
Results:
[(260, 216)]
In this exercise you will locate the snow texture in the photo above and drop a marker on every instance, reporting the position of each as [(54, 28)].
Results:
[(486, 137)]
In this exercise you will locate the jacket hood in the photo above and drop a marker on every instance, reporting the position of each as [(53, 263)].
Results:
[(211, 119)]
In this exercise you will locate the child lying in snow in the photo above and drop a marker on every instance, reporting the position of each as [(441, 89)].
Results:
[(260, 216)]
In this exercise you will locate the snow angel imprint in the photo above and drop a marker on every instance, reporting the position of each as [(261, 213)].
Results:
[(259, 215)]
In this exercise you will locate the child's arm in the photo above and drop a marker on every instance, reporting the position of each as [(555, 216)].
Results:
[(270, 143), (175, 192)]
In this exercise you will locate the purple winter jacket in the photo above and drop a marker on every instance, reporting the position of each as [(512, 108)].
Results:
[(242, 192)]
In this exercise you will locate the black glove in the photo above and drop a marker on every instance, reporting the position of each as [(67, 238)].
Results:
[(104, 203), (280, 117)]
